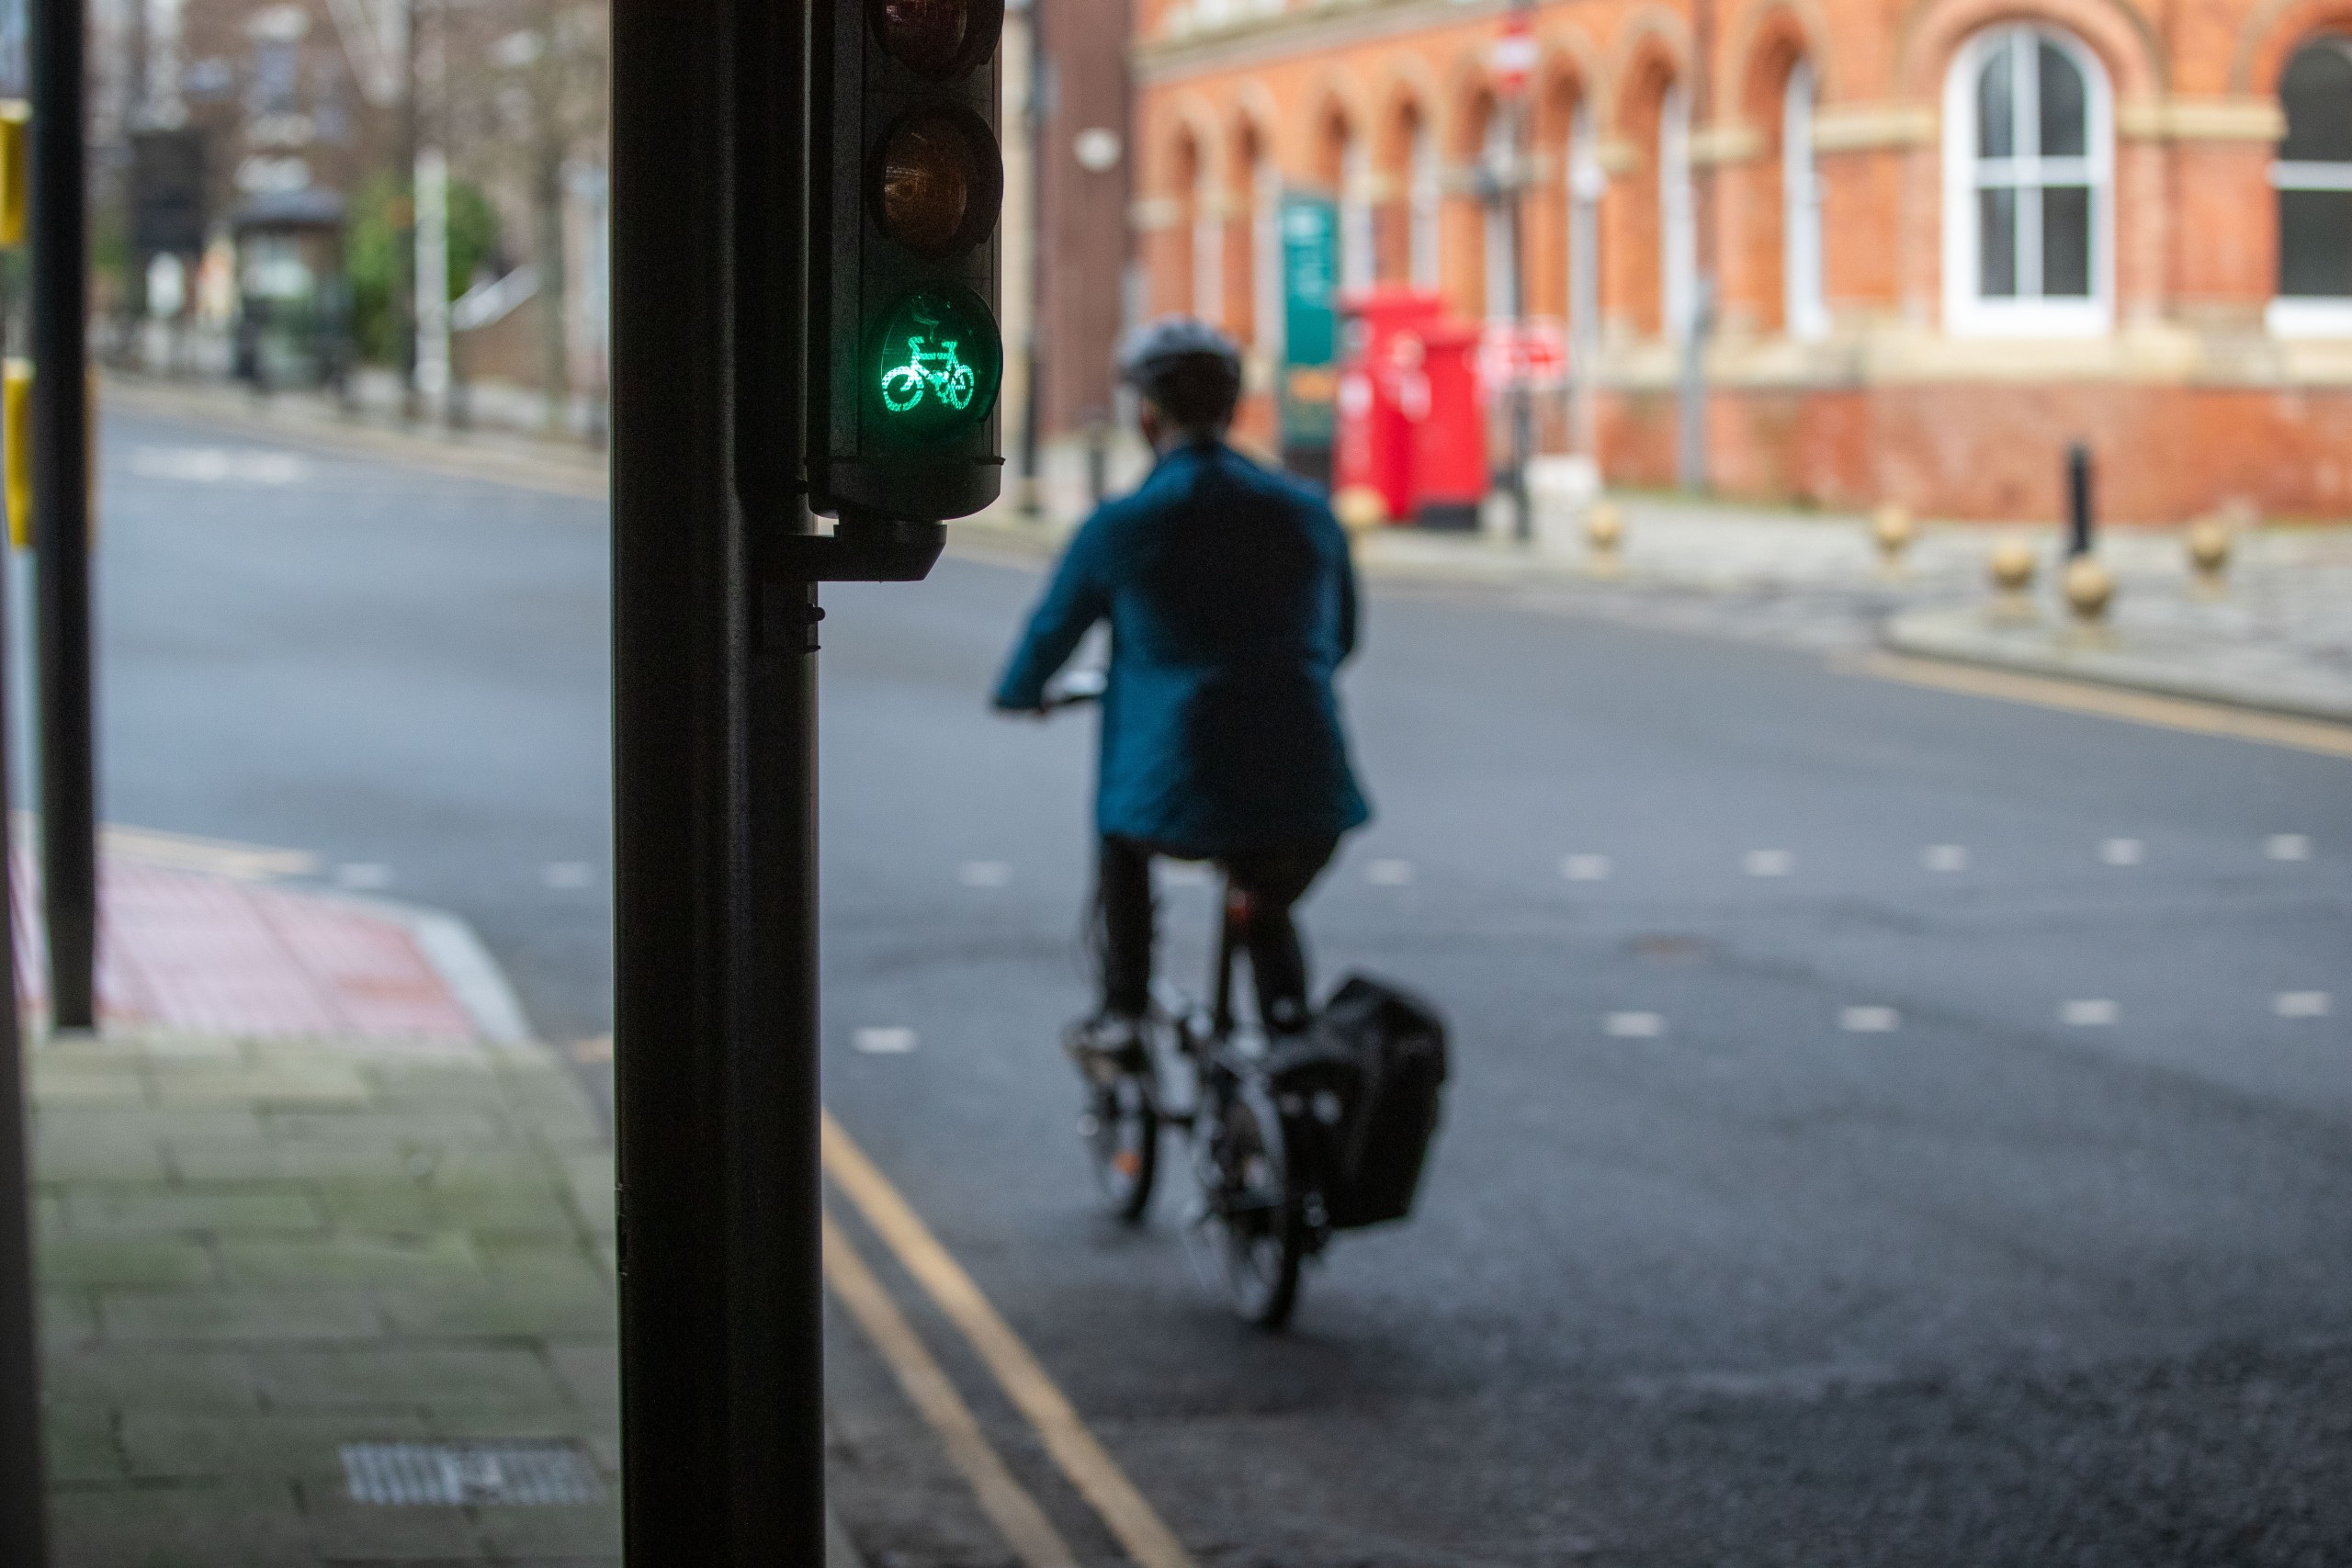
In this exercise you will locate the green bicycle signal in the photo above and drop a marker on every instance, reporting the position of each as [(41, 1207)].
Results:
[(938, 364), (937, 370)]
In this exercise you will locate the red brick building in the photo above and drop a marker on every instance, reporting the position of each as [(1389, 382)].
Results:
[(1944, 237)]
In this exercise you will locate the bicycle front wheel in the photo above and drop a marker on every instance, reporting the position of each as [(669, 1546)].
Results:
[(902, 389), (1261, 1232)]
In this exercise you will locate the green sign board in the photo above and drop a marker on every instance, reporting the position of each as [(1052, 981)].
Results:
[(1310, 226)]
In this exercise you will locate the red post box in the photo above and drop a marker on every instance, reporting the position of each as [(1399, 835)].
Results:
[(1450, 432), (1381, 395)]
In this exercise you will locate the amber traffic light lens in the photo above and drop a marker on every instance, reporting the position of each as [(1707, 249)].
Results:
[(928, 36), (936, 181), (926, 184)]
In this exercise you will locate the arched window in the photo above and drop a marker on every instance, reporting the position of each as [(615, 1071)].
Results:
[(2028, 160), (1587, 183), (1803, 313), (1358, 265), (1423, 192), (1678, 234), (1496, 155), (1265, 251), (1208, 245), (2313, 175)]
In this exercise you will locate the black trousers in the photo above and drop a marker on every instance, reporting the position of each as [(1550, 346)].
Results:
[(1268, 882)]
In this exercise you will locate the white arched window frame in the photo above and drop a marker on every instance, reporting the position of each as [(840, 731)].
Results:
[(1266, 256), (1587, 183), (1356, 259), (1424, 192), (1802, 311), (2312, 175), (1677, 232), (1208, 246), (2029, 187)]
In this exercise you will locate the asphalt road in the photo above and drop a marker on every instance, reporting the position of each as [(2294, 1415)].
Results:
[(1909, 1136)]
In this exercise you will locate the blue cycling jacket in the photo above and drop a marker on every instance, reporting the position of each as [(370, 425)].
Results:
[(1231, 601)]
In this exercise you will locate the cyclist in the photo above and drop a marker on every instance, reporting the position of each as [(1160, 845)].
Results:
[(1231, 602)]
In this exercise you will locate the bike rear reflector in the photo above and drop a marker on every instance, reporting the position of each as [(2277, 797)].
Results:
[(937, 181), (938, 364)]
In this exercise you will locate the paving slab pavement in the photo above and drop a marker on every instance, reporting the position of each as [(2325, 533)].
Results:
[(308, 1191), (254, 1254)]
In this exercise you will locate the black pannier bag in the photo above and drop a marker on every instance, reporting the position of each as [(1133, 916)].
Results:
[(1380, 1053)]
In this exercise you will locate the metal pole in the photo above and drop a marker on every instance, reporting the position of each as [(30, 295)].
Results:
[(61, 511), (1693, 465), (1521, 436), (23, 1499), (1031, 496), (404, 302), (714, 753)]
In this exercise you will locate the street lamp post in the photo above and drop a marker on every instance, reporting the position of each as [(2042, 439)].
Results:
[(1514, 62), (1691, 455)]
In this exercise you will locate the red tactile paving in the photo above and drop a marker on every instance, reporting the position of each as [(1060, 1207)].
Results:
[(210, 955)]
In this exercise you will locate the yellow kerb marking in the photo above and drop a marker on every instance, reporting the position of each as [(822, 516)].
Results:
[(1013, 1511), (2108, 701), (1098, 1478)]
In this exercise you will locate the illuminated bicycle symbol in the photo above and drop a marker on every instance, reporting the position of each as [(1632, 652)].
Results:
[(934, 370)]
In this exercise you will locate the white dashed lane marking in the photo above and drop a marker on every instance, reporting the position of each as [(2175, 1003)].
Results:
[(2287, 846), (984, 873), (360, 875), (1768, 863), (2123, 852), (568, 874), (1634, 1025), (1945, 857), (1585, 868), (892, 1040), (1868, 1020), (2302, 1004), (1389, 873), (2089, 1012)]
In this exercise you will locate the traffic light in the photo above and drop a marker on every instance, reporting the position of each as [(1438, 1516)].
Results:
[(905, 186)]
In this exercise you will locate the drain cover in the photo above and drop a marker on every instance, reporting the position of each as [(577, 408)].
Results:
[(455, 1474)]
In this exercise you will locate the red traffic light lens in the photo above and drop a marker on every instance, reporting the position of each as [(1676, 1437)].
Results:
[(937, 39), (937, 182)]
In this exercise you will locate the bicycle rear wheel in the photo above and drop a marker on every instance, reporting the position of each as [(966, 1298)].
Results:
[(1262, 1234), (1122, 1131)]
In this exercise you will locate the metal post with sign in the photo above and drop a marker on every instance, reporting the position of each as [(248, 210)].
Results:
[(1308, 391), (803, 278), (1514, 61)]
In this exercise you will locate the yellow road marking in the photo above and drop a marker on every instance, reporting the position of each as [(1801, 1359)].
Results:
[(1013, 1511), (2110, 702), (183, 851), (1097, 1476)]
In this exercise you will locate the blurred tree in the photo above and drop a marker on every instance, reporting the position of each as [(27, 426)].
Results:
[(371, 254), (543, 99)]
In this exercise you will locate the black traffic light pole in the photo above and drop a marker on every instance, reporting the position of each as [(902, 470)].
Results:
[(61, 513), (714, 668), (23, 1498), (716, 1109)]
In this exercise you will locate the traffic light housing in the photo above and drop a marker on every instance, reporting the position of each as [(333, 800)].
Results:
[(906, 184)]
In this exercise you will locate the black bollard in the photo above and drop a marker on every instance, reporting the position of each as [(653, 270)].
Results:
[(2078, 500)]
